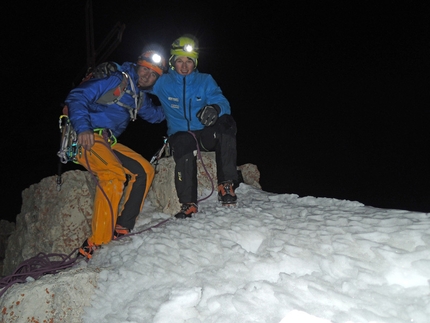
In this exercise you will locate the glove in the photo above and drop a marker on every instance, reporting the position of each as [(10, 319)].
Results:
[(208, 115)]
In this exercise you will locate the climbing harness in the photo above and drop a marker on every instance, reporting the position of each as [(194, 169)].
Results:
[(107, 135), (69, 147), (166, 150)]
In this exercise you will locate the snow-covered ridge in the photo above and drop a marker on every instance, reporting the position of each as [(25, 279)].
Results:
[(276, 257)]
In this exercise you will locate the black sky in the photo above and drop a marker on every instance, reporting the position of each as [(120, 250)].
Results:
[(331, 98)]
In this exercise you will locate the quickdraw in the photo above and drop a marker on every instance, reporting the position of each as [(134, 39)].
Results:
[(164, 149), (69, 141), (69, 147)]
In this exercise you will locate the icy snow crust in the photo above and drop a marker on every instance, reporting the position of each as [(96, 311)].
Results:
[(276, 257)]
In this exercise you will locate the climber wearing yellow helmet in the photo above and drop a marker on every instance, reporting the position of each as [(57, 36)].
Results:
[(196, 111)]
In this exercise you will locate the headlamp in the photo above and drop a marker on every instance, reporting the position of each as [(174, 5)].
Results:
[(152, 60), (156, 58), (187, 48)]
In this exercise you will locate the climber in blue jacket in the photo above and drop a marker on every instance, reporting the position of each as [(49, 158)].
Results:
[(196, 113), (100, 110)]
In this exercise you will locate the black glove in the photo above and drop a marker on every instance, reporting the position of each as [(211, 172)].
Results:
[(208, 115)]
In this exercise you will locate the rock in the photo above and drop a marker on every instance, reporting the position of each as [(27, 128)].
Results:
[(6, 230), (52, 298), (163, 192), (52, 221), (250, 175)]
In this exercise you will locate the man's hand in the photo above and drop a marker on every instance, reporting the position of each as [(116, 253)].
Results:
[(86, 139), (208, 115)]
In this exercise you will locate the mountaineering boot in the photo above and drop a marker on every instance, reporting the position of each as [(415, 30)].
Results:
[(187, 209), (120, 231), (226, 194), (87, 249)]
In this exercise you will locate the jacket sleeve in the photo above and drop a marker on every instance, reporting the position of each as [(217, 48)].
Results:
[(215, 96), (81, 99), (150, 111)]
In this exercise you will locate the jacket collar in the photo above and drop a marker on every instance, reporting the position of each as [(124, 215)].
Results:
[(188, 77)]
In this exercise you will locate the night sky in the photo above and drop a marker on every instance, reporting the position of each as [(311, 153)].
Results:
[(331, 98)]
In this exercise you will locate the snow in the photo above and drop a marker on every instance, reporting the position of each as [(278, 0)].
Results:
[(275, 258)]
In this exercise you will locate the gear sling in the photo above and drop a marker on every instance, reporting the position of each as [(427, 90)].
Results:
[(122, 174)]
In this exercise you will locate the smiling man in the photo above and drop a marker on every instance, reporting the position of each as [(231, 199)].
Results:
[(197, 113), (100, 110), (149, 67)]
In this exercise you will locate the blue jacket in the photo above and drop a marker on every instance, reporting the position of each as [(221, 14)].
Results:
[(86, 114), (183, 96)]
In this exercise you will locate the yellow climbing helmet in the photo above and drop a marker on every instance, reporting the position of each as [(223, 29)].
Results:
[(184, 46)]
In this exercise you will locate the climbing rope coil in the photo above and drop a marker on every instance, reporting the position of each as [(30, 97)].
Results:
[(44, 264), (38, 266)]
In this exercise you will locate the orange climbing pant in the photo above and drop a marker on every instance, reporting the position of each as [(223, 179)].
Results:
[(112, 177)]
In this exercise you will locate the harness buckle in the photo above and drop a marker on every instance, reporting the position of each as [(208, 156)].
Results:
[(107, 135)]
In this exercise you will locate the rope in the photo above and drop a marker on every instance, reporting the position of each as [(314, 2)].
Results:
[(37, 266), (204, 167), (42, 264), (147, 229)]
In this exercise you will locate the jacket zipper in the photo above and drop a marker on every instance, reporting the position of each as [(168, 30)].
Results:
[(185, 104)]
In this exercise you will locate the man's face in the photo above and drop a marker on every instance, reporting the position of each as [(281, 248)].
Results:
[(147, 77), (184, 65)]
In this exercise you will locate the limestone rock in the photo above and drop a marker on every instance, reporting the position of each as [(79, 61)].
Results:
[(52, 298), (250, 175), (58, 221), (6, 229), (52, 221), (163, 192)]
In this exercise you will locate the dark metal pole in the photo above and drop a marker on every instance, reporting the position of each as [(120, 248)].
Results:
[(91, 61)]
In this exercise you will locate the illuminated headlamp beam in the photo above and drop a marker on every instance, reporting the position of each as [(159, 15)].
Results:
[(188, 48), (156, 58)]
